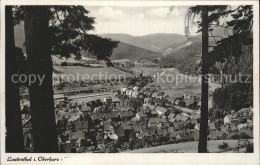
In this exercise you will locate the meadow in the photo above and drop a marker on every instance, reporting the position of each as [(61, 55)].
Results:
[(94, 74)]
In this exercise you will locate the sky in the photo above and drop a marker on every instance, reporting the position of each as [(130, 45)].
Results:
[(138, 21)]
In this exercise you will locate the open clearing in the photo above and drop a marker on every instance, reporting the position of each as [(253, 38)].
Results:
[(89, 73), (186, 147)]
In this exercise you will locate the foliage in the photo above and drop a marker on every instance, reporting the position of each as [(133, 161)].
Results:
[(250, 148), (140, 81), (135, 104), (183, 59), (233, 96), (126, 51), (223, 146), (68, 27), (240, 135), (218, 113), (228, 49)]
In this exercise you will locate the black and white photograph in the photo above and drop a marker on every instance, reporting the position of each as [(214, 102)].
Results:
[(108, 78)]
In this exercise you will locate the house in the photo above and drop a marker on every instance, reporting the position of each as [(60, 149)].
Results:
[(81, 125), (189, 94), (111, 115), (179, 125), (171, 117), (120, 132), (123, 91), (86, 108), (127, 126), (189, 103), (137, 128), (232, 126), (152, 131), (96, 117), (229, 119), (148, 94), (240, 126), (148, 100), (178, 117), (161, 110), (184, 137), (154, 113), (136, 88), (135, 94), (110, 136), (193, 121), (197, 127), (196, 135), (107, 127), (159, 131), (95, 104), (223, 128), (142, 114), (144, 132), (72, 116), (77, 135), (154, 94), (126, 114), (171, 132), (248, 131), (211, 126), (182, 117), (140, 131), (154, 122), (59, 97), (129, 93), (108, 100), (215, 135), (65, 148), (149, 107)]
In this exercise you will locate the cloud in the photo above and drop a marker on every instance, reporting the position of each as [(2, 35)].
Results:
[(162, 12), (108, 14)]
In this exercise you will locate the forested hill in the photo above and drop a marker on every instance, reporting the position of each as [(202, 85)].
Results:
[(185, 55), (153, 42), (127, 51), (184, 59)]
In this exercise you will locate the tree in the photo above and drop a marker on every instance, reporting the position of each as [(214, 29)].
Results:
[(63, 33), (68, 30), (241, 25), (204, 84), (38, 50), (14, 137)]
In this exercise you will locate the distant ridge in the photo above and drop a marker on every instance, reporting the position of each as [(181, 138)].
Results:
[(153, 42), (127, 51)]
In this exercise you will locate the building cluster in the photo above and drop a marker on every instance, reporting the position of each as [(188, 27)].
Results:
[(140, 117)]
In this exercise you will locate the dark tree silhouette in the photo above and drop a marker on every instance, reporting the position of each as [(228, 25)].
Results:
[(68, 31), (204, 83), (14, 138), (56, 30), (38, 51)]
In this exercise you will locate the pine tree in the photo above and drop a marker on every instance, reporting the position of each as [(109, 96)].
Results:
[(14, 137), (38, 50)]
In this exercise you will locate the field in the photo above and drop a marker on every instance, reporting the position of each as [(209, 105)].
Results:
[(188, 147), (67, 73)]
